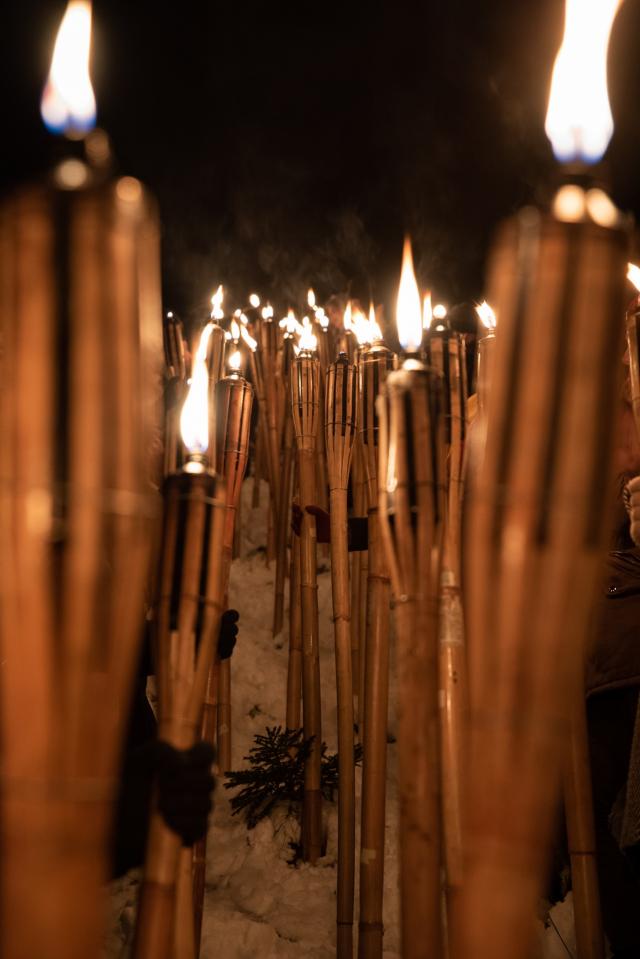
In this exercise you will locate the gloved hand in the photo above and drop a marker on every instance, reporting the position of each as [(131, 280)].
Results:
[(632, 503), (184, 786), (323, 525), (228, 633)]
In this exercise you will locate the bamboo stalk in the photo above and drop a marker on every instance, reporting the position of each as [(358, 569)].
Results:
[(294, 669), (284, 514), (578, 804), (286, 487), (558, 291), (73, 483), (234, 399), (340, 420), (374, 365), (412, 490), (181, 689), (447, 355), (357, 633), (184, 930), (305, 398)]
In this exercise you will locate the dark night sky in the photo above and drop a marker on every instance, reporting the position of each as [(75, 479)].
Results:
[(293, 143)]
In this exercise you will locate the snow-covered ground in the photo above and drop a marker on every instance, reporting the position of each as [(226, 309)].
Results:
[(257, 905)]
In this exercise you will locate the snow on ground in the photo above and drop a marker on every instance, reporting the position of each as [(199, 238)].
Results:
[(256, 903)]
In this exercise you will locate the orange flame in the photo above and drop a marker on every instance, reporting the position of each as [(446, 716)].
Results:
[(579, 122), (633, 275), (68, 105), (408, 309), (194, 419)]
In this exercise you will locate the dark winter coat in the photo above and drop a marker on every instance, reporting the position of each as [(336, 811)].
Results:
[(614, 661)]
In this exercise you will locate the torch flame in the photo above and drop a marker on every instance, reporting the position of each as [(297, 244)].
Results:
[(254, 300), (361, 328), (249, 340), (235, 331), (68, 105), (487, 316), (217, 313), (375, 333), (408, 308), (267, 312), (322, 318), (579, 122), (311, 298), (235, 361), (346, 319), (290, 324), (633, 275), (307, 342), (194, 419), (427, 312)]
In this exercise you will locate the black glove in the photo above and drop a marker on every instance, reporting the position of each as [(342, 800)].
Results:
[(185, 784), (228, 633), (323, 523)]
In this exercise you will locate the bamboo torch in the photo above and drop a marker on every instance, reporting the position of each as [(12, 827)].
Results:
[(190, 602), (267, 335), (305, 399), (375, 362), (80, 402), (175, 389), (284, 517), (340, 430), (447, 356), (216, 347), (234, 399), (539, 510), (412, 513)]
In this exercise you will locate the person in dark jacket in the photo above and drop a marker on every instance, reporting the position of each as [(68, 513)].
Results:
[(183, 777), (612, 682)]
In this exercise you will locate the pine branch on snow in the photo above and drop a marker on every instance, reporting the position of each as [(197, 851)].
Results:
[(276, 773)]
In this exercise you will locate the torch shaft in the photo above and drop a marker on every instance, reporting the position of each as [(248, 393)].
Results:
[(346, 768), (283, 523), (312, 822), (374, 764), (180, 712), (294, 668), (581, 835)]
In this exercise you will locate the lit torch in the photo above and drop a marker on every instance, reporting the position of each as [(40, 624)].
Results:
[(289, 325), (191, 592), (233, 401), (485, 353), (305, 398), (175, 388), (81, 350), (538, 517), (412, 480), (375, 361), (215, 347), (447, 355), (340, 432)]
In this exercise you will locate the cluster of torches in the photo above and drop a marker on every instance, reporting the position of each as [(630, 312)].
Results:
[(489, 690)]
